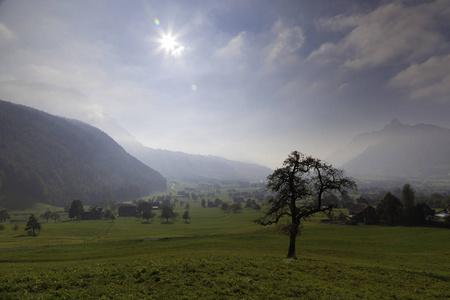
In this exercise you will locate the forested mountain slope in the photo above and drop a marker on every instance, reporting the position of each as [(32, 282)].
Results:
[(55, 160)]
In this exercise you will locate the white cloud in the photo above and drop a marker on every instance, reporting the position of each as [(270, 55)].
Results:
[(6, 35), (288, 40), (234, 47), (430, 80), (393, 33)]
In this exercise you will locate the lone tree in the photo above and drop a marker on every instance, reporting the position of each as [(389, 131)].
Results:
[(33, 225), (186, 216), (76, 209), (299, 186)]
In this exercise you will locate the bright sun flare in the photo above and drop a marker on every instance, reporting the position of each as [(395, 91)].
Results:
[(168, 42)]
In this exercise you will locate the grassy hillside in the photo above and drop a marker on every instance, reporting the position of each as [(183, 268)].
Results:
[(218, 256)]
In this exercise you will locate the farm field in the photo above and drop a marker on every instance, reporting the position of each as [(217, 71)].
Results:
[(222, 255)]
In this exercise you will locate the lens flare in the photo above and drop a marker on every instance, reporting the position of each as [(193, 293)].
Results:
[(157, 22)]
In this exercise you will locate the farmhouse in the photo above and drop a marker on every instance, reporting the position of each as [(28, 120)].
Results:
[(127, 210), (363, 213), (93, 214)]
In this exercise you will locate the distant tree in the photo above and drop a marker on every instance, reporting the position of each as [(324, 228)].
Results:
[(167, 213), (33, 225), (2, 227), (55, 216), (187, 206), (250, 203), (76, 209), (390, 209), (186, 216), (257, 207), (203, 203), (299, 186), (218, 202), (4, 215), (148, 214), (144, 206), (47, 215), (225, 207), (112, 205), (107, 215), (112, 217), (15, 228), (236, 207), (408, 204)]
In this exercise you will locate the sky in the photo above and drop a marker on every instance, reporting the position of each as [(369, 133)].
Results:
[(245, 80)]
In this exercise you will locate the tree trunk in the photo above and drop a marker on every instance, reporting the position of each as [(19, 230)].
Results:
[(291, 252)]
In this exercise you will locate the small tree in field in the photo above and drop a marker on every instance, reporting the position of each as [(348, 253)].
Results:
[(47, 215), (168, 213), (186, 216), (299, 186), (55, 216), (148, 214), (15, 228), (33, 225)]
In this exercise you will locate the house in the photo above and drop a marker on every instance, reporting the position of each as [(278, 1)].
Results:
[(427, 211), (442, 215), (93, 214), (363, 213), (127, 210)]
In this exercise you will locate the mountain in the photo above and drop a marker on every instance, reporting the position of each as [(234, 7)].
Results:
[(56, 160), (398, 150), (188, 167)]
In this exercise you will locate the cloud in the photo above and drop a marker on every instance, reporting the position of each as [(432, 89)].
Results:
[(392, 33), (288, 40), (429, 80), (234, 47), (6, 35)]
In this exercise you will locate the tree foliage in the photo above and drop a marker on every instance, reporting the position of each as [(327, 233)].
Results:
[(186, 216), (299, 187), (167, 213), (47, 215), (4, 215), (76, 209), (390, 209), (148, 214), (409, 210), (33, 225)]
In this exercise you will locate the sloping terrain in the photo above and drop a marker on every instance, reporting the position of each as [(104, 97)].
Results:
[(399, 150), (55, 160), (189, 167)]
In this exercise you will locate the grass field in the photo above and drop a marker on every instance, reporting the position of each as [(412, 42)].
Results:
[(220, 256)]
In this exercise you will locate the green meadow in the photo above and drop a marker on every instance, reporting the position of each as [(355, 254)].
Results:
[(221, 256)]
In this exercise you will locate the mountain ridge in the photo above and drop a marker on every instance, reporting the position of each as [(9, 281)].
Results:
[(398, 150), (54, 160)]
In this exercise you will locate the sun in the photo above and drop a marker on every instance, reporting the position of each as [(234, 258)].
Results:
[(168, 42)]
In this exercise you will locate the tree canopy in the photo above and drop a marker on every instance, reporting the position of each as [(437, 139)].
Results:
[(299, 187)]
